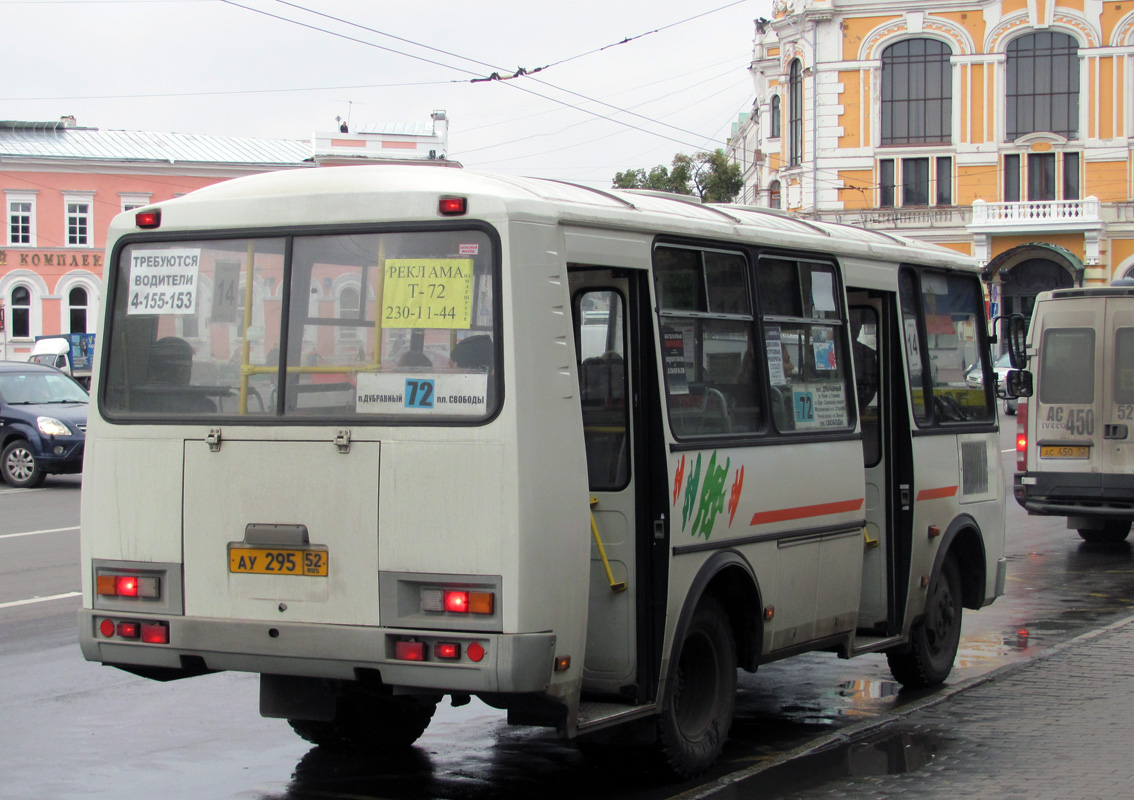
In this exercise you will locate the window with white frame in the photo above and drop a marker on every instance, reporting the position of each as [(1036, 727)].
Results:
[(132, 200), (20, 318), (77, 301), (21, 219), (919, 181), (79, 219)]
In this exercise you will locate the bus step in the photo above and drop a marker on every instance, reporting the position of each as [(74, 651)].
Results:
[(595, 715), (872, 644)]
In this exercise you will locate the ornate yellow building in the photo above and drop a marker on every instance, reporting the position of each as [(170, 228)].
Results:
[(1000, 128)]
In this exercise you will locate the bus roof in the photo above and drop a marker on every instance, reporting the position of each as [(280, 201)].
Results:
[(361, 194)]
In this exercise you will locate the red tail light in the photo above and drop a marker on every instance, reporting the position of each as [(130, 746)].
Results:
[(155, 633), (452, 206), (447, 650), (1022, 436), (409, 651), (148, 219)]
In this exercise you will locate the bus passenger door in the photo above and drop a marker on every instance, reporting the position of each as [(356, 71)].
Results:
[(885, 454), (600, 305)]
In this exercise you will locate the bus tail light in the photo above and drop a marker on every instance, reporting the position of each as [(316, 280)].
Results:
[(118, 585), (148, 219), (447, 651), (149, 632), (457, 601), (452, 206), (155, 632), (1022, 436), (409, 651)]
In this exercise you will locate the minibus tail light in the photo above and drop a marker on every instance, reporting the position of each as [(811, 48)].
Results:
[(452, 206), (148, 219), (1022, 436)]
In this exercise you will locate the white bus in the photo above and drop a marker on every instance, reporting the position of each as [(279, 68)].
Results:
[(348, 437)]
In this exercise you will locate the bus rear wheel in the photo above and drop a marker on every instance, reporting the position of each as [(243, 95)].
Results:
[(369, 723), (700, 693), (934, 640), (1112, 532)]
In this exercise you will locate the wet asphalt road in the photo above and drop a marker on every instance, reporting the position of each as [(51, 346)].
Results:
[(76, 730)]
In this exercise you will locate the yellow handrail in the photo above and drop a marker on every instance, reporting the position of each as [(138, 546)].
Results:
[(619, 586)]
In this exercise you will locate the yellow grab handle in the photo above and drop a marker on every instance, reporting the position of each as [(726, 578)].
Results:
[(619, 586)]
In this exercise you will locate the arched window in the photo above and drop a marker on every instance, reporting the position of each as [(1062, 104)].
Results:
[(21, 313), (1042, 85), (917, 93), (77, 300), (795, 113), (776, 114), (348, 310), (774, 200)]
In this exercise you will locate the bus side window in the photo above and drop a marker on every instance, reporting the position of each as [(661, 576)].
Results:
[(712, 367), (804, 345)]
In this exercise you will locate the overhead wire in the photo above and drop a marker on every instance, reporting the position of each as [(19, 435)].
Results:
[(471, 60)]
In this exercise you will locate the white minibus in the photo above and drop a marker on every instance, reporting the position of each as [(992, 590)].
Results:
[(1075, 454), (388, 434)]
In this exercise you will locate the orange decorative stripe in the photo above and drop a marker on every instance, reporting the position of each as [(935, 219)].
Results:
[(348, 143), (400, 145), (803, 512), (937, 494)]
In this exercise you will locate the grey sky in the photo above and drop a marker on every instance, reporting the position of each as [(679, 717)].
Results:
[(211, 66)]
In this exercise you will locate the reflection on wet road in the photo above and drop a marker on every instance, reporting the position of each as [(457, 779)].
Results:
[(106, 730)]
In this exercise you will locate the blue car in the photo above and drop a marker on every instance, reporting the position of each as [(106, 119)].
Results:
[(43, 423)]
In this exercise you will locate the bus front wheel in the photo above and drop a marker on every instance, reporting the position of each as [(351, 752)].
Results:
[(369, 723), (700, 693), (934, 640)]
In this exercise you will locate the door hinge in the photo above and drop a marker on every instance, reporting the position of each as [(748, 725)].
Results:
[(213, 440), (342, 440)]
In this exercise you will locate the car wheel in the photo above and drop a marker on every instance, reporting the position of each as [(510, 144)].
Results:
[(1009, 408), (20, 467)]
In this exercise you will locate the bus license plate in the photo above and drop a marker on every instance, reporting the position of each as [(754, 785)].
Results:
[(1064, 451), (277, 561)]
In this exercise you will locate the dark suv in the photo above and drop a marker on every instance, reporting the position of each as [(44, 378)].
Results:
[(43, 423)]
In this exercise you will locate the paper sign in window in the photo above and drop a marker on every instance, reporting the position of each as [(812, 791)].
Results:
[(427, 293), (163, 281)]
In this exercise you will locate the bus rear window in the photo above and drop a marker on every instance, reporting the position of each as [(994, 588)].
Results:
[(1067, 366), (380, 326)]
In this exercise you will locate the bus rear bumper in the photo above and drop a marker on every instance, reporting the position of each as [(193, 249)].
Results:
[(1075, 494), (507, 663)]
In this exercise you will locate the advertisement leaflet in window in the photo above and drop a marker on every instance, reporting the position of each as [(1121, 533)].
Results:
[(163, 281)]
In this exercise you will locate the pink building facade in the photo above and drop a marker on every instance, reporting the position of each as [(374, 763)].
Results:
[(62, 184)]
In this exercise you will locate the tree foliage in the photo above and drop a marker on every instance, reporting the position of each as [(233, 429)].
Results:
[(711, 176)]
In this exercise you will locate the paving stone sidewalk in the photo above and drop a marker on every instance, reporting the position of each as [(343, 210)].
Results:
[(1058, 727)]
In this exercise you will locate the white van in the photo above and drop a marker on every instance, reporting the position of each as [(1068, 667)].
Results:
[(1075, 454)]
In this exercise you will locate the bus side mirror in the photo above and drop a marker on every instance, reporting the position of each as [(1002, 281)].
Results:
[(1018, 342), (1018, 383)]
